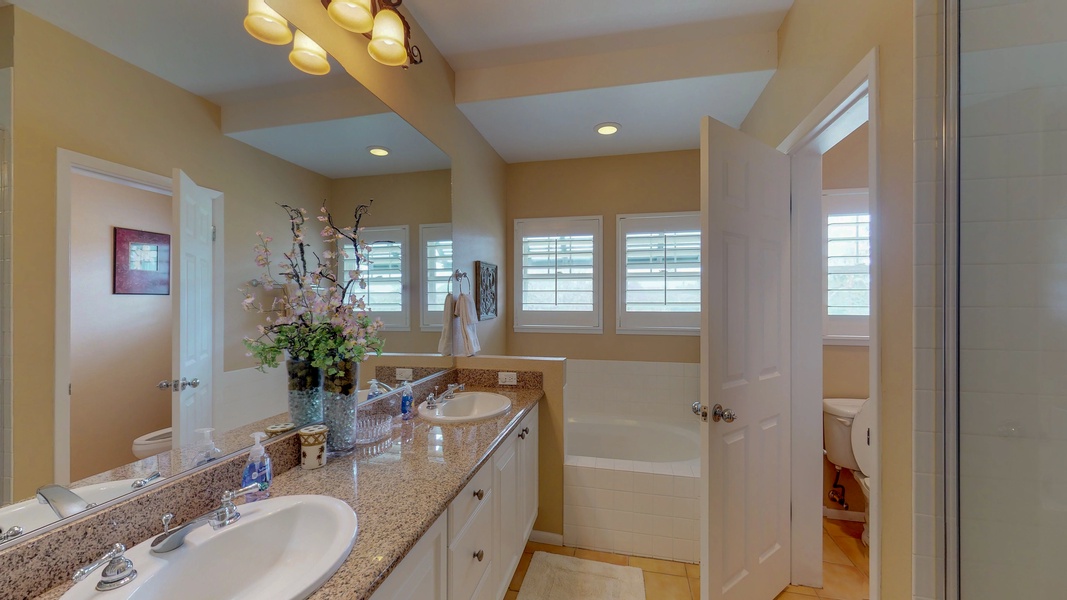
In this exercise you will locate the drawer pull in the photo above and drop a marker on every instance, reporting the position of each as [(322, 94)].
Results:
[(526, 430), (522, 435), (479, 555), (479, 494)]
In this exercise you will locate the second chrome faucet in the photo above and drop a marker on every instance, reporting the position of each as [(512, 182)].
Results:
[(225, 514)]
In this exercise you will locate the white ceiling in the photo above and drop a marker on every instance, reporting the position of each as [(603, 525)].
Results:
[(655, 117), (202, 47)]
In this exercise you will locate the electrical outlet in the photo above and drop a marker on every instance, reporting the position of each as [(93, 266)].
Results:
[(404, 374), (507, 378)]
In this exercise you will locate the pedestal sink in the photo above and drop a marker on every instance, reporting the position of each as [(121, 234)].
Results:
[(281, 548), (466, 406)]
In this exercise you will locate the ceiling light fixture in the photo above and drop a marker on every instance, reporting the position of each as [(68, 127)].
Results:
[(308, 56), (378, 150), (266, 25), (380, 22), (608, 128)]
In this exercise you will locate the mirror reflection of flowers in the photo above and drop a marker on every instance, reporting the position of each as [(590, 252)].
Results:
[(316, 317)]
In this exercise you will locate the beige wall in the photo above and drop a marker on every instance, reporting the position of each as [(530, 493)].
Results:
[(845, 165), (819, 43), (69, 94), (120, 344), (410, 199), (424, 95), (605, 186)]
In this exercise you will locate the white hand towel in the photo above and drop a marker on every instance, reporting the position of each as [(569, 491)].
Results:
[(468, 326), (444, 346)]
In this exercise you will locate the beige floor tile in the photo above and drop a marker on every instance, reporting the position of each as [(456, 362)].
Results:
[(520, 572), (604, 557), (666, 587), (852, 529), (855, 551), (787, 595), (840, 582), (692, 571), (832, 553), (694, 588), (801, 590), (511, 595), (532, 547), (658, 566)]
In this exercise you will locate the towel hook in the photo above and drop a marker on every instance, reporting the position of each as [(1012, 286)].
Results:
[(459, 276)]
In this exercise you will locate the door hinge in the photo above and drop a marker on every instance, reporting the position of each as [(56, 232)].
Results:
[(70, 389), (213, 233), (868, 436)]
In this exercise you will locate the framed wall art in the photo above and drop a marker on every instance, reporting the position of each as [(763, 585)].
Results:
[(142, 262), (485, 289)]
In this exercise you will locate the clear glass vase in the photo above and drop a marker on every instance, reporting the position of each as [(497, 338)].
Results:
[(340, 400), (305, 392)]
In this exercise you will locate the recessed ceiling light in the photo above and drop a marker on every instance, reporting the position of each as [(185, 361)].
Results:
[(378, 150), (608, 128)]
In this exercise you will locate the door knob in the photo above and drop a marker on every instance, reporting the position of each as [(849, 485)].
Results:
[(718, 413), (700, 410), (164, 385), (184, 383)]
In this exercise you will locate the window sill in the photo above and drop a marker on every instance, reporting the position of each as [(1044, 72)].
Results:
[(658, 331), (846, 340), (551, 329)]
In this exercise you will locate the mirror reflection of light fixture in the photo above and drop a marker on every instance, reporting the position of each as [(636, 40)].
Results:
[(378, 150), (389, 32), (356, 16), (266, 25), (308, 56)]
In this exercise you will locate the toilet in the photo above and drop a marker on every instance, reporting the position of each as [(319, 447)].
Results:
[(846, 423), (151, 444)]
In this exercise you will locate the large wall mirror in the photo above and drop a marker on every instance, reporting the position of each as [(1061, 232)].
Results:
[(121, 96)]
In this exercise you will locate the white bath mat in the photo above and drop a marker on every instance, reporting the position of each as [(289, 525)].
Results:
[(556, 577)]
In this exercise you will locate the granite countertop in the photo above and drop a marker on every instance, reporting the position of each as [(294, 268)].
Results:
[(398, 489)]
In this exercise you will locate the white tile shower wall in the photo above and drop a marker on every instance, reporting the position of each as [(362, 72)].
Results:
[(631, 388), (612, 506), (1013, 478)]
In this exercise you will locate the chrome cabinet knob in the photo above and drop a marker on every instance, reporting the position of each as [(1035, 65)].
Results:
[(718, 413)]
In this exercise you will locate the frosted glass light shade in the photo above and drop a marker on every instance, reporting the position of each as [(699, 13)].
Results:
[(353, 15), (308, 56), (387, 41), (266, 25)]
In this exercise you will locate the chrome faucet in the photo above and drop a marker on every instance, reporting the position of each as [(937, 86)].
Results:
[(62, 501), (172, 539), (384, 387), (11, 534), (452, 389), (118, 570)]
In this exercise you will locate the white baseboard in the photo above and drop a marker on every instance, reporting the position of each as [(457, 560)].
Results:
[(544, 537), (843, 515)]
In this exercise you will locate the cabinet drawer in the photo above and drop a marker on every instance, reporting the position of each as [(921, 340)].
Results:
[(465, 570), (464, 505)]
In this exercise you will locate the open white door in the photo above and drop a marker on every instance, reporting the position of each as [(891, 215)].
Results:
[(745, 536), (191, 251)]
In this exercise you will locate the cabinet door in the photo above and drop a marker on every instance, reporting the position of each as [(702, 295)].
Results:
[(528, 475), (423, 573), (506, 512)]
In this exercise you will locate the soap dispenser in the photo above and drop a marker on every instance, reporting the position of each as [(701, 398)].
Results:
[(374, 391), (206, 450), (407, 397), (257, 469)]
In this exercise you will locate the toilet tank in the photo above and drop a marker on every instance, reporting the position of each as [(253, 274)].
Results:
[(837, 416)]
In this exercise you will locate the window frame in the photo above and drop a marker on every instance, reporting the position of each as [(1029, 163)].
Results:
[(394, 321), (843, 330), (591, 322), (431, 320), (652, 323)]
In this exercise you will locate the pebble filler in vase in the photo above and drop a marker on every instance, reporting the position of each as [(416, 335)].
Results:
[(305, 392), (340, 398)]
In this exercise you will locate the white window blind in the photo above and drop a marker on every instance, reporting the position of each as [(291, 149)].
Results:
[(559, 279), (385, 273), (846, 266), (659, 273), (436, 268)]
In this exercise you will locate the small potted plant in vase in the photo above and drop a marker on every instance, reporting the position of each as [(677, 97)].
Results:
[(320, 323)]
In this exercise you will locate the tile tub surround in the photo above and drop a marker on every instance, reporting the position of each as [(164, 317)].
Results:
[(631, 388), (397, 495)]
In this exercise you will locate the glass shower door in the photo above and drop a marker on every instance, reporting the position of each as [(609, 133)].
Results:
[(1013, 299)]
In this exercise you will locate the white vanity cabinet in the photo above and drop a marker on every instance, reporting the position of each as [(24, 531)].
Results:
[(472, 550)]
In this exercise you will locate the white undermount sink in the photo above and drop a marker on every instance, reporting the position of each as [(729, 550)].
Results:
[(31, 514), (466, 406), (281, 548)]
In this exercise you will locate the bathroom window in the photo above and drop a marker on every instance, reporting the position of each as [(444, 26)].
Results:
[(385, 273), (659, 273), (559, 277), (846, 267), (436, 267)]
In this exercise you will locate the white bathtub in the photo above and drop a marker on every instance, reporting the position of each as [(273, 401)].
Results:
[(631, 486)]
